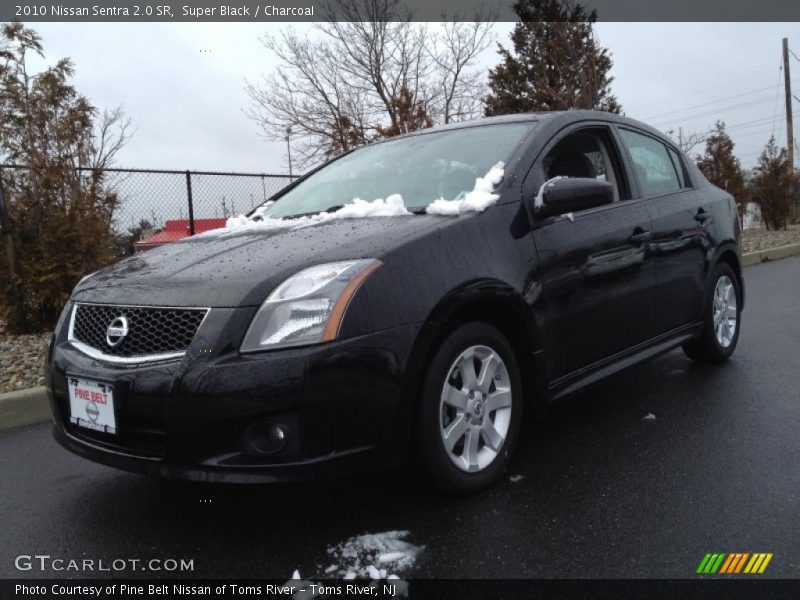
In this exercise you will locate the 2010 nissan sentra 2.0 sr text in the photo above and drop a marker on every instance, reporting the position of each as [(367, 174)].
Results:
[(409, 299)]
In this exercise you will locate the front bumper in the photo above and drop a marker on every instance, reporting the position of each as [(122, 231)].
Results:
[(345, 406)]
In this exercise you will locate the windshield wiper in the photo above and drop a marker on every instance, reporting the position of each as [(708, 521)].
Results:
[(330, 209)]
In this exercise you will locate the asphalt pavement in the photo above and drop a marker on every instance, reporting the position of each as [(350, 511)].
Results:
[(596, 490)]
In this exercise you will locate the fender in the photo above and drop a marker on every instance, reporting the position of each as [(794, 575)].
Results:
[(726, 246), (458, 305)]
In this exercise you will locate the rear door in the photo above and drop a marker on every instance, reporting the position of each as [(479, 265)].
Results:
[(597, 278), (680, 221)]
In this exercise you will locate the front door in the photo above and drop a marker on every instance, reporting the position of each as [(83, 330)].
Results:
[(597, 276)]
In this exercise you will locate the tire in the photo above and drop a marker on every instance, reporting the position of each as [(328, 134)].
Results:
[(463, 443), (721, 319)]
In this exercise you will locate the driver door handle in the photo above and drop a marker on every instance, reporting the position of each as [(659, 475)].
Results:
[(702, 216), (640, 237)]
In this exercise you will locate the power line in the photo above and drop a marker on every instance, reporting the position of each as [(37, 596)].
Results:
[(708, 89), (701, 105), (745, 124), (752, 133), (715, 111)]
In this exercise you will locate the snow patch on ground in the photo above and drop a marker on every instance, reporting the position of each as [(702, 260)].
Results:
[(649, 417), (479, 199), (392, 206), (372, 556), (538, 202)]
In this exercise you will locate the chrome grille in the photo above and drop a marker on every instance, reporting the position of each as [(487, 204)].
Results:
[(152, 332)]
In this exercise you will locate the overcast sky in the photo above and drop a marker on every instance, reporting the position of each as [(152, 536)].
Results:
[(187, 104)]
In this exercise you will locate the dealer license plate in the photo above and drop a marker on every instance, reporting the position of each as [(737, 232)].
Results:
[(91, 405)]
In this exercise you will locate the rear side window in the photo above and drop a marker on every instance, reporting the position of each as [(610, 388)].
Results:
[(683, 178), (654, 167)]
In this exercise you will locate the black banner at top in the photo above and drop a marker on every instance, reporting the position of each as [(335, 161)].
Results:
[(395, 10)]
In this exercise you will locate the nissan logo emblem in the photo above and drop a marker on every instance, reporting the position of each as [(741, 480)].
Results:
[(117, 331), (92, 411)]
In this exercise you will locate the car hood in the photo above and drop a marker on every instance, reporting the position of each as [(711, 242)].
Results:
[(241, 268)]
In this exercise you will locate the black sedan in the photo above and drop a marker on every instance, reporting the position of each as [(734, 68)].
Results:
[(410, 298)]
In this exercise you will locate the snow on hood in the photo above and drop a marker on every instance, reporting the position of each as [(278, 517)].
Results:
[(479, 199), (393, 206)]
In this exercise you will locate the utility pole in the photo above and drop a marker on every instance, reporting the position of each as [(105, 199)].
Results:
[(787, 84)]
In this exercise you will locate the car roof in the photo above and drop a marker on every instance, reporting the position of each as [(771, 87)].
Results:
[(566, 117)]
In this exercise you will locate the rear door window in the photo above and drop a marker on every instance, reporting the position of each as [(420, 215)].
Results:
[(654, 167), (683, 178)]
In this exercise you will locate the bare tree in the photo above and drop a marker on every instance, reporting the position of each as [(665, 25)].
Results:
[(460, 88), (112, 132), (366, 72), (689, 141)]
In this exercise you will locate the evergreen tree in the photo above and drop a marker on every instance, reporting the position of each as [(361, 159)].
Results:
[(721, 167), (556, 63), (60, 208), (772, 189)]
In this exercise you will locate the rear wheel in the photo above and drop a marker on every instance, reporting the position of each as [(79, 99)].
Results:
[(471, 409), (721, 318)]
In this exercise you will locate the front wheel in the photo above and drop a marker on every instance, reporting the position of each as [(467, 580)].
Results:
[(471, 409), (721, 319)]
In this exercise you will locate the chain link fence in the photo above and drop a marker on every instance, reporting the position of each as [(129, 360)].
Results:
[(150, 198), (160, 195)]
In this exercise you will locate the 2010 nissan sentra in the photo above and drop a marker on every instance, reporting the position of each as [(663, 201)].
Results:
[(410, 298)]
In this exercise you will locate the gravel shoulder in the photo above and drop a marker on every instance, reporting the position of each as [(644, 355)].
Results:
[(21, 360), (761, 239)]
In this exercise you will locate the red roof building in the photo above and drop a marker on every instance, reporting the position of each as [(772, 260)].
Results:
[(175, 230)]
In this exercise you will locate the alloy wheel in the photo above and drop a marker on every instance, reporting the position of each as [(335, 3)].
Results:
[(725, 311), (475, 408)]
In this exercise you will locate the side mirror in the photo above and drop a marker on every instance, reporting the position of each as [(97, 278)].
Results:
[(574, 193)]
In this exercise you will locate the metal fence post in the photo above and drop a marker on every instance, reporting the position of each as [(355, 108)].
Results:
[(191, 203), (264, 189)]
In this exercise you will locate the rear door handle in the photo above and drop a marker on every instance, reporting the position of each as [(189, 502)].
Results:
[(640, 237), (701, 216)]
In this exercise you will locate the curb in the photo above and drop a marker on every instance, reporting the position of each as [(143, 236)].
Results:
[(754, 258), (24, 407)]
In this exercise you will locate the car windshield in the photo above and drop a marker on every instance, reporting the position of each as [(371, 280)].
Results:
[(420, 168)]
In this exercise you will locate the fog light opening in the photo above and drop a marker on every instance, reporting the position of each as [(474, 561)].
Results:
[(277, 437), (266, 438)]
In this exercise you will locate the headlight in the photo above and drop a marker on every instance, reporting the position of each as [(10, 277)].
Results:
[(308, 307)]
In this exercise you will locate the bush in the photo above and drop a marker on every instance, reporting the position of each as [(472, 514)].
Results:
[(60, 212), (60, 233), (772, 186)]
